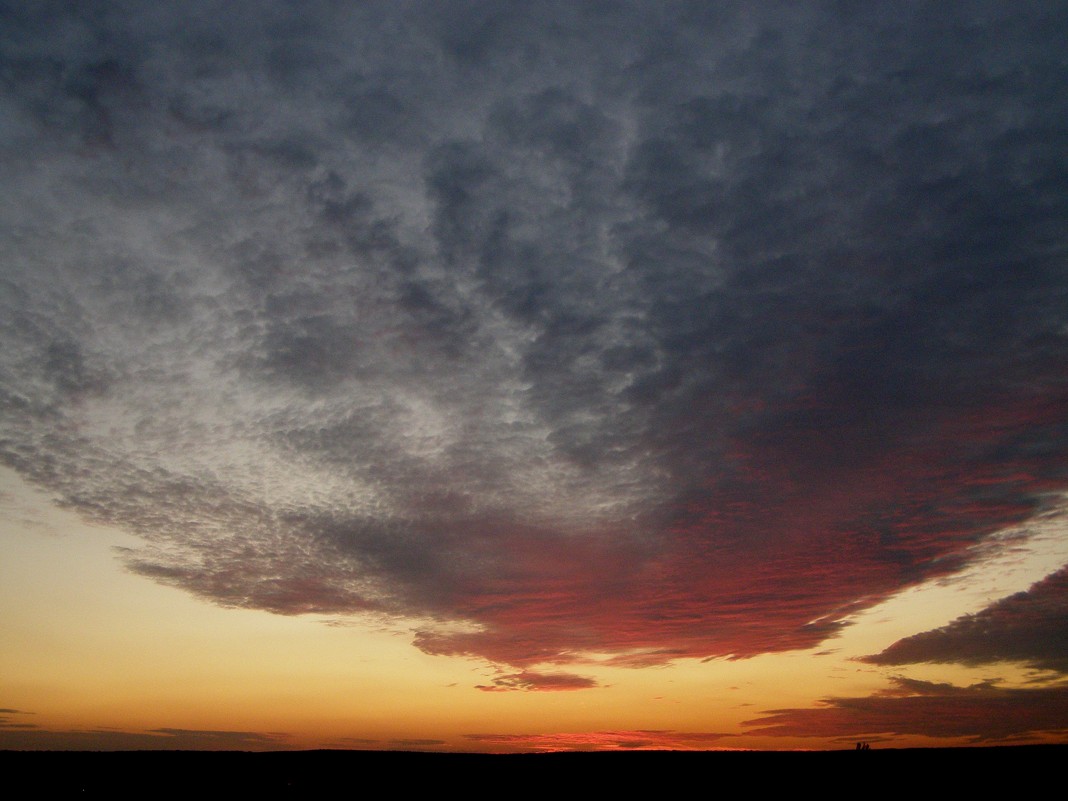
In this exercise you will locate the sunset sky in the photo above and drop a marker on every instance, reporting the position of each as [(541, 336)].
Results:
[(522, 376)]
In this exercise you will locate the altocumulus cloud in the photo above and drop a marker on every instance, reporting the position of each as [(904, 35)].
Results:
[(653, 330)]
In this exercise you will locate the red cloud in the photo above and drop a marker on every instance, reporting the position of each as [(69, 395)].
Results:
[(529, 680), (768, 557)]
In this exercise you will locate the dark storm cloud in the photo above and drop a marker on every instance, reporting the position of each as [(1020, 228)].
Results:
[(657, 331), (1029, 627), (981, 712)]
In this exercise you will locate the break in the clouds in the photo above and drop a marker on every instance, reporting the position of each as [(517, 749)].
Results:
[(644, 330), (1029, 627)]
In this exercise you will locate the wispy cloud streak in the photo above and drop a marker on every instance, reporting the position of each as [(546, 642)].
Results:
[(632, 740)]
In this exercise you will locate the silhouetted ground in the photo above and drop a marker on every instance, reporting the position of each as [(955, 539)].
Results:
[(371, 773)]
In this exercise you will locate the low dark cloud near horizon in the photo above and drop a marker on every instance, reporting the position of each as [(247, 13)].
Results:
[(20, 733), (983, 712), (627, 740), (653, 330)]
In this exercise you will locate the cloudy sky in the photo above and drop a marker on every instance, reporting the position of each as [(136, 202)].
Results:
[(516, 376)]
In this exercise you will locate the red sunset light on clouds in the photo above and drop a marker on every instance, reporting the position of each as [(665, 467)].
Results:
[(604, 378)]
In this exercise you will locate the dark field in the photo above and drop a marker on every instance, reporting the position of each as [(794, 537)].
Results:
[(371, 773)]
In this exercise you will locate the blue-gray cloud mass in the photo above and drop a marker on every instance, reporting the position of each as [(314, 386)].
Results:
[(647, 329)]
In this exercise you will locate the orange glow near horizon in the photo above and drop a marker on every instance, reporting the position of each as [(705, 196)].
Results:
[(88, 646), (473, 377)]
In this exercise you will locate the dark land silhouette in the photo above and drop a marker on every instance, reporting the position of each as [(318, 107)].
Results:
[(358, 772)]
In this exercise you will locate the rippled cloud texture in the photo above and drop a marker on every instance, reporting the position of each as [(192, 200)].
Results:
[(647, 330)]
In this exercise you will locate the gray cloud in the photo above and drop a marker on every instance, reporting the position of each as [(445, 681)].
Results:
[(598, 328)]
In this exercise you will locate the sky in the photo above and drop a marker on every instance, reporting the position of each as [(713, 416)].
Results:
[(493, 376)]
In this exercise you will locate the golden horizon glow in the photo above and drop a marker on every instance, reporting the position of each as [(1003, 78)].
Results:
[(86, 645)]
